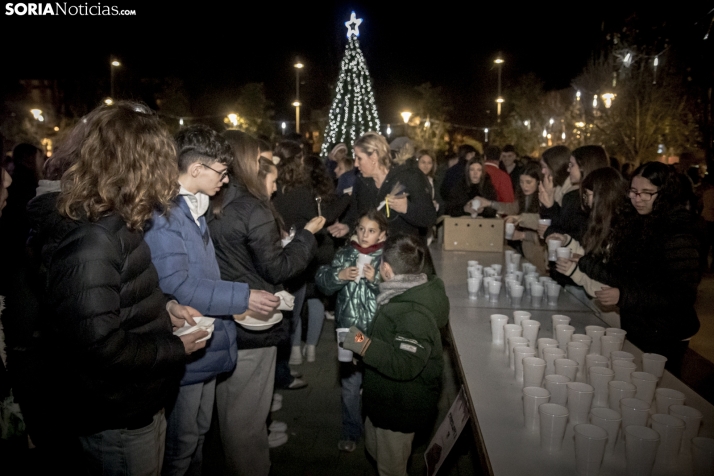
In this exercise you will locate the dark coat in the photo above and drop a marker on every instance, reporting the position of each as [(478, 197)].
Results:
[(462, 193), (655, 266), (107, 331), (570, 218), (248, 249), (420, 215)]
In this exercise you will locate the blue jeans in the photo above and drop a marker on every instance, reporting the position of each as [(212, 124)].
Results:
[(188, 422), (316, 317), (351, 379), (126, 452)]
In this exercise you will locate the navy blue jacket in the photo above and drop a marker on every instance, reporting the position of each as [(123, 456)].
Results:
[(185, 259)]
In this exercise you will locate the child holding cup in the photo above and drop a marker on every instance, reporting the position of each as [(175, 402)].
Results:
[(356, 306)]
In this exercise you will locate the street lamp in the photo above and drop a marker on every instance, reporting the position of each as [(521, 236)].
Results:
[(405, 116), (485, 131), (282, 126), (112, 65), (37, 114), (499, 64), (389, 130), (607, 98), (298, 66)]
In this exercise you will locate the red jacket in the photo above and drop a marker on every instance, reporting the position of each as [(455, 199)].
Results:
[(501, 182)]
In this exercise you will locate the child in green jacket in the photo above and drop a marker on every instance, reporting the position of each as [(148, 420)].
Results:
[(356, 306), (402, 353)]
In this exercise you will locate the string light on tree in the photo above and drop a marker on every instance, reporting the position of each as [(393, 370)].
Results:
[(353, 111)]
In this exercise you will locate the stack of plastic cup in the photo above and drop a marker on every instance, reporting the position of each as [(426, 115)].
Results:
[(545, 342), (609, 420), (558, 319), (513, 342), (520, 353), (550, 355), (553, 420), (640, 449), (519, 316), (590, 442)]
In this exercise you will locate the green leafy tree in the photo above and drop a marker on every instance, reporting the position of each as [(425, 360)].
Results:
[(429, 125), (254, 109)]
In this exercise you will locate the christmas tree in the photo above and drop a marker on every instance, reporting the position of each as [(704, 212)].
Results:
[(353, 111)]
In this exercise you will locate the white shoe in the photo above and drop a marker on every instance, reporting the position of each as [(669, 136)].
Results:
[(295, 356), (276, 405), (278, 426), (277, 397), (277, 438), (309, 352), (329, 315)]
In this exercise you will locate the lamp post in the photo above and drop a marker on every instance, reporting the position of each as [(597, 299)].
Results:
[(298, 66), (499, 99), (405, 116), (112, 65)]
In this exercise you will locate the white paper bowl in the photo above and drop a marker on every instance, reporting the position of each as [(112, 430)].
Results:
[(253, 324)]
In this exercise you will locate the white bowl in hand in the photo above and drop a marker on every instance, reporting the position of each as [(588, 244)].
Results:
[(203, 323)]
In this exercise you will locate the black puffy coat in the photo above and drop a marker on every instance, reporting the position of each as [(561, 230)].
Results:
[(248, 249), (109, 336), (570, 218)]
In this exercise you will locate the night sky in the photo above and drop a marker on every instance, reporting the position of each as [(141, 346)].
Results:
[(215, 47)]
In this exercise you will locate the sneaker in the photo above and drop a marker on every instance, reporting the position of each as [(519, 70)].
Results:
[(297, 383), (346, 445), (278, 426), (309, 353), (277, 397), (295, 356), (277, 438), (329, 315), (295, 373), (276, 405)]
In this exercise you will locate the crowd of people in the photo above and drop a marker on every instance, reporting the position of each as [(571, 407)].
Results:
[(126, 237)]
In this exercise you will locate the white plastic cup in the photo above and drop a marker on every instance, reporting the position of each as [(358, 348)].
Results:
[(553, 420), (595, 360), (510, 228), (609, 420), (475, 204), (553, 246), (610, 343), (671, 430), (653, 364), (472, 262), (563, 252), (582, 338), (508, 254), (558, 319), (665, 397), (362, 260), (566, 367), (640, 449), (513, 342), (590, 442), (692, 419), (646, 384), (550, 354), (623, 370), (511, 330), (497, 268), (600, 377), (617, 390), (473, 286), (343, 355), (516, 259), (596, 332), (545, 342), (553, 290), (533, 371), (634, 412), (563, 332), (497, 332), (580, 398), (533, 397), (557, 385), (517, 294), (577, 351), (474, 272), (513, 355), (545, 221), (703, 456), (494, 289), (616, 331), (519, 316), (536, 294), (520, 353), (530, 331), (621, 355)]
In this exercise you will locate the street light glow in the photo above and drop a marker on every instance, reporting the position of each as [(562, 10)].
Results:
[(498, 60), (551, 121), (577, 95), (37, 114), (299, 65), (405, 116), (499, 100), (389, 130), (608, 97), (115, 63), (296, 103), (233, 119)]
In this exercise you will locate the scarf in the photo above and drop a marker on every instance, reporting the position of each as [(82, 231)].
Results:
[(198, 203), (369, 250), (397, 285)]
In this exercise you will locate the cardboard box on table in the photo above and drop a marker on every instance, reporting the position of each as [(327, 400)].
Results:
[(473, 234)]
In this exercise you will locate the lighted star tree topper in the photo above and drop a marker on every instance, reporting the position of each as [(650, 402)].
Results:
[(353, 111)]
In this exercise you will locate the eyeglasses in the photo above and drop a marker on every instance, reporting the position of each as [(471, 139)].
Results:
[(644, 196), (223, 174)]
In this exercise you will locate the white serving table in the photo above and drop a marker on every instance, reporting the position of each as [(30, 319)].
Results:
[(505, 446)]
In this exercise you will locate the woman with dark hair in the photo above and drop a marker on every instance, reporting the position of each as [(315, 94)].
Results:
[(247, 239), (475, 184), (653, 268), (569, 217), (104, 312)]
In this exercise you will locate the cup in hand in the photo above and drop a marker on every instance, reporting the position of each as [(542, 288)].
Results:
[(553, 246), (563, 252), (510, 228), (343, 355), (475, 204)]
